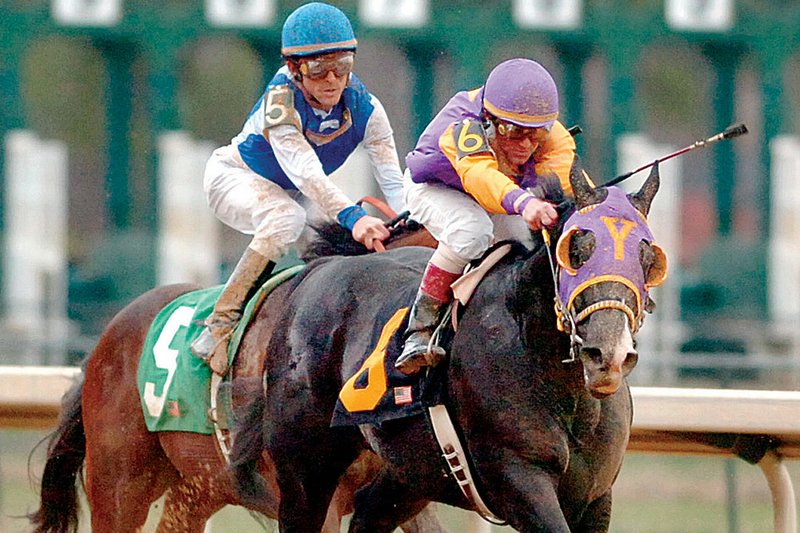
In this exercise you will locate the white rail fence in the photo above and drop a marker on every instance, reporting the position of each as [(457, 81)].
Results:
[(666, 420)]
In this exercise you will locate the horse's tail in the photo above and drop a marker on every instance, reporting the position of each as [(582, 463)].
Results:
[(58, 506)]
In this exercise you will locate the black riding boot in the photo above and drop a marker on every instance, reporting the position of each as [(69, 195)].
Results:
[(423, 319), (252, 270)]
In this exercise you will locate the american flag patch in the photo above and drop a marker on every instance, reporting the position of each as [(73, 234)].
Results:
[(402, 395)]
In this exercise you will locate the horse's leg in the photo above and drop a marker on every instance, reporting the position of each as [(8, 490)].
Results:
[(203, 488), (597, 517), (309, 463), (124, 477), (426, 521), (384, 504), (206, 485), (126, 469), (362, 471), (188, 506), (530, 495)]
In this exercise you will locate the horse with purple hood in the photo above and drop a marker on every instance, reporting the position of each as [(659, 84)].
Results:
[(543, 433)]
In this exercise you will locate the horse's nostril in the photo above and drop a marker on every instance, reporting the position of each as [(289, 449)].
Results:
[(630, 361), (593, 354)]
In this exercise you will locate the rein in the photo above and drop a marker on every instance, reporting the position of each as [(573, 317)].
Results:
[(566, 320)]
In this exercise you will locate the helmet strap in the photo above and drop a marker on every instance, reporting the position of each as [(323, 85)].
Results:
[(298, 80), (294, 69), (489, 127)]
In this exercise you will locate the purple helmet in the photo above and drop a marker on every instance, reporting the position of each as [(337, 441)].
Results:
[(522, 92)]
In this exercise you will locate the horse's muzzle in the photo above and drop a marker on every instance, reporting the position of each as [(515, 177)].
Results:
[(602, 385), (604, 379)]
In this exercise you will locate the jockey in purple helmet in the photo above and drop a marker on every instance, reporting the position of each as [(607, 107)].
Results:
[(274, 173), (467, 182)]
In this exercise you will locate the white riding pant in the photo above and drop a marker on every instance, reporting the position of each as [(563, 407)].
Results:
[(456, 220), (253, 205)]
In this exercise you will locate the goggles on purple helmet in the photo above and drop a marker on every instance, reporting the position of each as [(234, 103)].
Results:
[(515, 132)]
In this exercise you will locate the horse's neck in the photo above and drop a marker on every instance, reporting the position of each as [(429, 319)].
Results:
[(543, 341)]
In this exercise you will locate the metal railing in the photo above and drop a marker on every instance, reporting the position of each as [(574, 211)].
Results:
[(666, 420)]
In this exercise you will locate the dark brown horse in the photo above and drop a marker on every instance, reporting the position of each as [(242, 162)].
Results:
[(544, 435), (127, 467)]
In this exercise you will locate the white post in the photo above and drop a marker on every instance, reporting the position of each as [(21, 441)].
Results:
[(189, 233), (35, 276), (784, 508), (660, 337), (783, 271), (240, 13), (101, 13)]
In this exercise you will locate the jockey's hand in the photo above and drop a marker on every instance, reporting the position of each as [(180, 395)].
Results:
[(369, 229), (539, 214)]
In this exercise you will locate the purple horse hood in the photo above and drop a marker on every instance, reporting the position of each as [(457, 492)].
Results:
[(618, 228)]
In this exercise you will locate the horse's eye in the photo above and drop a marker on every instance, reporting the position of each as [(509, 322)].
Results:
[(581, 248)]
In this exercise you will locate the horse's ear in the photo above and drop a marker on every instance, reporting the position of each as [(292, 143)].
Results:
[(657, 273), (642, 199), (583, 189)]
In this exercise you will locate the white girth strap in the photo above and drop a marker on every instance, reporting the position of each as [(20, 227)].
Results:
[(457, 461), (222, 438)]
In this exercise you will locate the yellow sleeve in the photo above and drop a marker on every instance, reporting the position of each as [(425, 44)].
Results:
[(556, 155), (479, 173)]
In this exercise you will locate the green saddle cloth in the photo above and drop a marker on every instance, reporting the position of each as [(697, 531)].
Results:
[(174, 385)]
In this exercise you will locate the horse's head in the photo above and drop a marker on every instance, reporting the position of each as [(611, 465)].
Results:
[(608, 264)]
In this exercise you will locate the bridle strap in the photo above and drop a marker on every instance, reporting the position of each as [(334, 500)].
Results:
[(610, 304), (564, 319)]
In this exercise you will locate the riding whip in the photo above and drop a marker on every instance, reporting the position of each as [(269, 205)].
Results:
[(730, 133)]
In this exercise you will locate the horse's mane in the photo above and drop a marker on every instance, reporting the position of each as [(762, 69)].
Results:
[(549, 188), (332, 239)]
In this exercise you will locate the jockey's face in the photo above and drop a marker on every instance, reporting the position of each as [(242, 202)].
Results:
[(324, 77), (516, 151), (517, 143)]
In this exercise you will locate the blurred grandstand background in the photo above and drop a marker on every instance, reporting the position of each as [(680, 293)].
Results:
[(110, 107)]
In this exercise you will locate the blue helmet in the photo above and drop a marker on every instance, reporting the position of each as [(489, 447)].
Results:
[(316, 28)]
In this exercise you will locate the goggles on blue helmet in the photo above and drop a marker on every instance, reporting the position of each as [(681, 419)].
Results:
[(317, 67)]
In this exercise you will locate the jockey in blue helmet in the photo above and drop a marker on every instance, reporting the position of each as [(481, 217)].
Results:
[(468, 182), (273, 176)]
